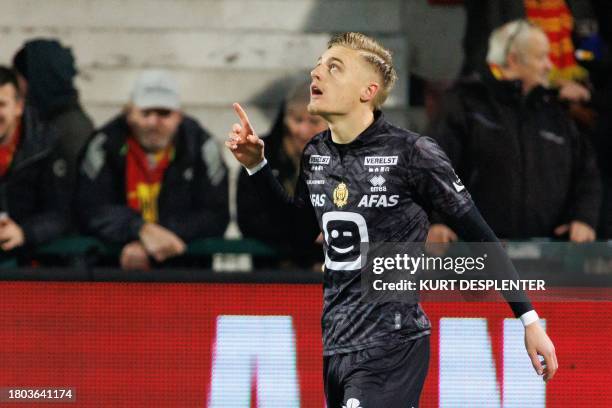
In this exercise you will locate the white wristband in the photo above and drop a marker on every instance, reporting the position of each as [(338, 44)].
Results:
[(255, 169), (529, 317)]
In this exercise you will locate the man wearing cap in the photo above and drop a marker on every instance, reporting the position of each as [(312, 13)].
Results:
[(152, 179)]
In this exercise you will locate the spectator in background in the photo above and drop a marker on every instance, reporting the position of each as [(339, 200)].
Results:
[(46, 71), (555, 17), (292, 129), (529, 170), (33, 194), (152, 179)]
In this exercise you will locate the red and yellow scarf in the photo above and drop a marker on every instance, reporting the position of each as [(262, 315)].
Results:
[(144, 176), (555, 18)]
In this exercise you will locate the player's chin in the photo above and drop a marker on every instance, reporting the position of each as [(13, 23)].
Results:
[(312, 108), (315, 108)]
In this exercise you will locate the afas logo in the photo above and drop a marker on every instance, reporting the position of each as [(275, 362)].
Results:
[(317, 200), (378, 200)]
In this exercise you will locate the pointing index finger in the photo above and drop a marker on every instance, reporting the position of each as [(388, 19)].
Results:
[(244, 119)]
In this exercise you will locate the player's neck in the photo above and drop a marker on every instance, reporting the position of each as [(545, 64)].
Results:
[(346, 128)]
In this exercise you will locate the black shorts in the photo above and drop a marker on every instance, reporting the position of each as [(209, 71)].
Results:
[(385, 376)]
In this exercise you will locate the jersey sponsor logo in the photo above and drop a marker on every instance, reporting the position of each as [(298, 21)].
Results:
[(352, 403), (377, 183), (378, 200), (344, 232), (317, 200), (315, 182), (380, 160), (318, 159), (341, 194)]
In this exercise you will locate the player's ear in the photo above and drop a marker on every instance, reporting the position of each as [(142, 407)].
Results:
[(369, 92)]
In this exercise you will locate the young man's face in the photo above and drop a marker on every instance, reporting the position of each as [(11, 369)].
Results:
[(11, 109), (339, 82), (154, 129)]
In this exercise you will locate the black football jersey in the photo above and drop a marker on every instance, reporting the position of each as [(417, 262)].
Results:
[(377, 189)]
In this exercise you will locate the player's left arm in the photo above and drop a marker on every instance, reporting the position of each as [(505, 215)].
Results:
[(471, 227), (438, 187)]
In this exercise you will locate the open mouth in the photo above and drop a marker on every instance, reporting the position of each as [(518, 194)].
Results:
[(315, 90)]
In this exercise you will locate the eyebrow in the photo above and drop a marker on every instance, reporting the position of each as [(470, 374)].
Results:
[(331, 59)]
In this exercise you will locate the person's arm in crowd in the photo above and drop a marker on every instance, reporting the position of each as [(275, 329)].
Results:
[(294, 213), (55, 197), (432, 180), (586, 191), (209, 213), (572, 91), (100, 209)]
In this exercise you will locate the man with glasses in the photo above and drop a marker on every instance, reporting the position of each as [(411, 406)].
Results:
[(152, 179), (511, 140)]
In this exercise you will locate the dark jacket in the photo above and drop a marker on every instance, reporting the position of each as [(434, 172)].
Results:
[(193, 198), (50, 69), (34, 192), (526, 165)]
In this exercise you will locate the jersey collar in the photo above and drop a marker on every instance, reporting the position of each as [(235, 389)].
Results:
[(367, 135)]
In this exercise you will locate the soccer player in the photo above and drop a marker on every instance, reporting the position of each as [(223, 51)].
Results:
[(375, 354)]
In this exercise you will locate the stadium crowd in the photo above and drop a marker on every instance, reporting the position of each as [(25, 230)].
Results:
[(526, 126)]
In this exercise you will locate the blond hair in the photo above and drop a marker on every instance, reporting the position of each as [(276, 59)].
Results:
[(376, 55)]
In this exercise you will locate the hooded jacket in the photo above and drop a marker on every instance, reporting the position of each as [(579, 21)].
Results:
[(49, 69)]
